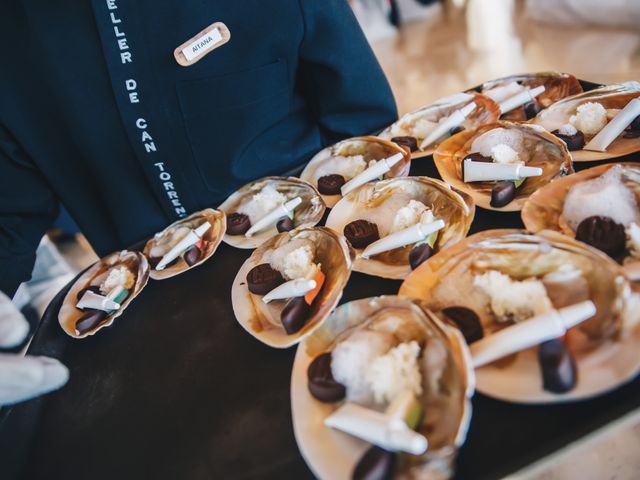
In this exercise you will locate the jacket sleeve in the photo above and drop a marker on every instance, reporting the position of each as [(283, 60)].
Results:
[(28, 208), (339, 74)]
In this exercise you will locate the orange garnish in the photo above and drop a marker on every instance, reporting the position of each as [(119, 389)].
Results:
[(312, 294)]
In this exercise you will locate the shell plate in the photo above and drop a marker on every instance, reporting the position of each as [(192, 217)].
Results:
[(371, 148), (332, 454), (68, 315), (263, 320), (378, 203), (544, 150), (307, 214), (211, 240)]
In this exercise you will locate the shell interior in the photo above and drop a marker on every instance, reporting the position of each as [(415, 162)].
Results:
[(263, 320), (371, 148), (307, 214), (68, 315), (538, 149), (378, 203), (211, 240)]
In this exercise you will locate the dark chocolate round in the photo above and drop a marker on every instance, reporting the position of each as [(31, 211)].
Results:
[(602, 233), (631, 133), (361, 233), (410, 142), (192, 256), (419, 254), (457, 129), (375, 464), (331, 184), (238, 223), (285, 224), (531, 109), (294, 315), (467, 322), (154, 261), (321, 383), (261, 279), (478, 157), (635, 124), (91, 319), (502, 194), (559, 372), (574, 142), (93, 288)]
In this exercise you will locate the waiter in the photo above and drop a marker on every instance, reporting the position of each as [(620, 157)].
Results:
[(133, 114)]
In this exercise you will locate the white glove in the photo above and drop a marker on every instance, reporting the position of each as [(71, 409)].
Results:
[(23, 377)]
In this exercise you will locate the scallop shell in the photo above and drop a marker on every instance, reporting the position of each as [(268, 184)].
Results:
[(263, 320), (371, 148), (211, 240), (487, 111), (613, 96), (332, 454), (69, 314), (543, 210), (615, 327), (307, 214), (545, 150), (557, 86), (378, 203)]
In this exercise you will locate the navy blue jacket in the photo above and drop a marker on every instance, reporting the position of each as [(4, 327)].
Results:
[(96, 114)]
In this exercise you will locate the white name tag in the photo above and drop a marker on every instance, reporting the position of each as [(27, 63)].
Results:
[(204, 42)]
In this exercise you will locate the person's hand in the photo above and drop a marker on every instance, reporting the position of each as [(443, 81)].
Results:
[(23, 377)]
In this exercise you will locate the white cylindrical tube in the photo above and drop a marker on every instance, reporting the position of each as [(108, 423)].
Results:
[(187, 242), (375, 427), (520, 99), (488, 171), (615, 127), (97, 302), (501, 93), (413, 234), (374, 171), (453, 120), (274, 215), (290, 289), (528, 333)]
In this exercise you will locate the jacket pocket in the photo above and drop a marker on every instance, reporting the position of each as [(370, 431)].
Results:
[(222, 115)]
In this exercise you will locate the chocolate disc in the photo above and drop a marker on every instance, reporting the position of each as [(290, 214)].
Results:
[(285, 224), (154, 261), (261, 279), (93, 288), (294, 315), (602, 233), (635, 124), (467, 322), (574, 142), (331, 184), (410, 142), (455, 130), (631, 133), (478, 157), (531, 109), (375, 464), (502, 194), (361, 233), (321, 384), (192, 256), (419, 254), (90, 320), (559, 372), (238, 223)]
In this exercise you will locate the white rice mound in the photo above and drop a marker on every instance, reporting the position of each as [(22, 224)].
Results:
[(500, 136), (351, 358), (262, 202), (606, 196), (394, 372)]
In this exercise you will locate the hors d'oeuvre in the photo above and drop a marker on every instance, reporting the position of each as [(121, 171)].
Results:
[(501, 164), (103, 292), (290, 284), (424, 129), (598, 124), (382, 390), (521, 291), (340, 168), (522, 97), (394, 225), (266, 207), (599, 206), (185, 243)]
